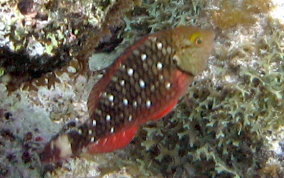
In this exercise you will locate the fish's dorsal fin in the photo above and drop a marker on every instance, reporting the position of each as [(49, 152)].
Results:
[(94, 95)]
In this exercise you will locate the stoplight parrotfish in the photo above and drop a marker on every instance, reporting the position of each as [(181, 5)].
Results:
[(143, 84)]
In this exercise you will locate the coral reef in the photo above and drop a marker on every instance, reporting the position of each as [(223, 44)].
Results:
[(38, 37), (23, 128)]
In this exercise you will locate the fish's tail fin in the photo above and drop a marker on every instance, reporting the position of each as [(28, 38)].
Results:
[(58, 148), (61, 146)]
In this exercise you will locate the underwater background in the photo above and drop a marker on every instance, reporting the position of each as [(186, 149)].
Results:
[(229, 124)]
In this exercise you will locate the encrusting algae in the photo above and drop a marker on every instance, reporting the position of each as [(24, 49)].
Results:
[(234, 13), (143, 84)]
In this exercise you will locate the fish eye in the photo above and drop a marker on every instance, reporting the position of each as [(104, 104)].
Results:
[(195, 38), (198, 41)]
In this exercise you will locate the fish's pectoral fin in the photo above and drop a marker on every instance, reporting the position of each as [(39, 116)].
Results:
[(114, 141), (164, 111)]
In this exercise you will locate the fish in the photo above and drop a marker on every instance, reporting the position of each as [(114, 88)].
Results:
[(143, 84)]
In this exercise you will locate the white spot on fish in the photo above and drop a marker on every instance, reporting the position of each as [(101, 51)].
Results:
[(143, 57), (112, 130), (90, 131), (142, 83), (148, 103), (168, 85), (92, 139), (135, 104), (130, 72), (125, 101), (94, 122), (130, 118), (122, 82), (161, 77), (159, 65), (108, 117), (80, 131), (159, 45), (111, 98)]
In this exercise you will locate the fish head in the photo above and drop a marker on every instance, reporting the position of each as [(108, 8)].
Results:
[(193, 47)]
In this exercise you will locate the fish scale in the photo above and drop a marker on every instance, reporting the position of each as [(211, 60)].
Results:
[(143, 84)]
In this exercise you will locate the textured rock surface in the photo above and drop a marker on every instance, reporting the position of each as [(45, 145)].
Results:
[(38, 37)]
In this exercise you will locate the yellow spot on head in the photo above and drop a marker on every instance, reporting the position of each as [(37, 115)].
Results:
[(195, 38)]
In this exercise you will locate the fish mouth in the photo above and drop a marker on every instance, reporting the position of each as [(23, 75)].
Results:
[(176, 59), (185, 47)]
